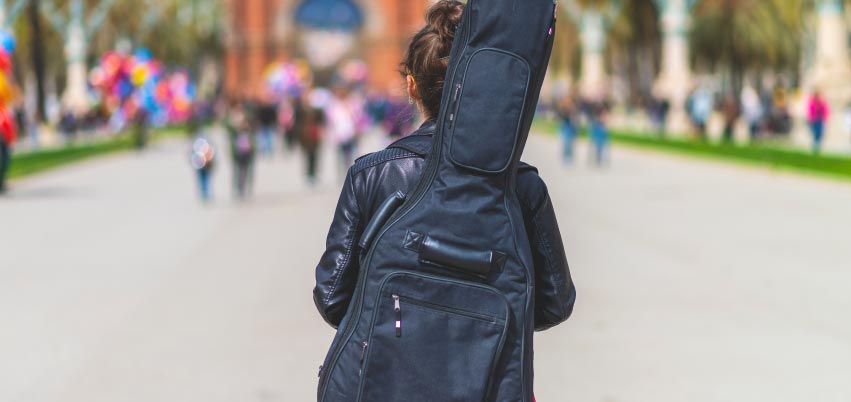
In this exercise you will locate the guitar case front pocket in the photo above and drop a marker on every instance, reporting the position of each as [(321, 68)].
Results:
[(433, 339), (484, 135)]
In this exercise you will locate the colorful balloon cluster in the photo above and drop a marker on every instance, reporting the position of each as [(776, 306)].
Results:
[(7, 88), (129, 83), (286, 79)]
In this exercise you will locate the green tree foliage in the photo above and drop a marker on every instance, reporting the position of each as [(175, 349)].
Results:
[(179, 32), (635, 39), (740, 36), (731, 37)]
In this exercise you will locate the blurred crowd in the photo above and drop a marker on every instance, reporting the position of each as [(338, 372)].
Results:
[(290, 114), (258, 127), (761, 115), (769, 114)]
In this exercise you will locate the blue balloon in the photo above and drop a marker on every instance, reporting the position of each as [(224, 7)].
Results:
[(143, 54), (191, 90), (124, 89), (7, 41)]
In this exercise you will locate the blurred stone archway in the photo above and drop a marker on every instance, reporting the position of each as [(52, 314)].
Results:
[(260, 32)]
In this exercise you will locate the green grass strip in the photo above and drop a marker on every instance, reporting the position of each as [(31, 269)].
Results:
[(25, 164), (764, 155)]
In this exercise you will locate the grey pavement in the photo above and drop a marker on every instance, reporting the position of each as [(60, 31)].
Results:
[(697, 281)]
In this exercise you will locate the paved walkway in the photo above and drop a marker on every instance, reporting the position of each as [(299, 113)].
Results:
[(697, 282)]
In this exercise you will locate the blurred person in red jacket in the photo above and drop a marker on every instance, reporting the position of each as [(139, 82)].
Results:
[(818, 113), (8, 135)]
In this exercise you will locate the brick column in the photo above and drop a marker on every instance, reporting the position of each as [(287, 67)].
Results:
[(385, 47), (250, 45)]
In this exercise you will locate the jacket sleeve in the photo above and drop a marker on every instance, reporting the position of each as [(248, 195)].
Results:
[(554, 290), (337, 272)]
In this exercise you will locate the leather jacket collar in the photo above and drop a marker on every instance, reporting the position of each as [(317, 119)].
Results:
[(429, 127), (418, 142)]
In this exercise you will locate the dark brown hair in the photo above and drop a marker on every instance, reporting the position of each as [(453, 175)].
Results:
[(427, 57)]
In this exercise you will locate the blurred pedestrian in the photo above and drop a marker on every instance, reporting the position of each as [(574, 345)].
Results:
[(377, 106), (8, 136), (702, 103), (286, 121), (242, 149), (267, 124), (20, 119), (658, 110), (731, 111), (342, 125), (753, 112), (68, 125), (566, 110), (779, 118), (848, 119), (308, 128), (202, 157), (599, 132), (358, 105), (141, 123), (31, 126), (818, 113)]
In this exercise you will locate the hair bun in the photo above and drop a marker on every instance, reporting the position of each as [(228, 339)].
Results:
[(443, 18)]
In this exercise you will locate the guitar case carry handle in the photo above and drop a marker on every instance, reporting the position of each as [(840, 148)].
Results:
[(455, 257)]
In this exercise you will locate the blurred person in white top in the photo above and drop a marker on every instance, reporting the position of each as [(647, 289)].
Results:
[(753, 111), (848, 119), (342, 124)]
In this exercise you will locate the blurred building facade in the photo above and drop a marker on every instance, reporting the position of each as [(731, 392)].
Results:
[(324, 32)]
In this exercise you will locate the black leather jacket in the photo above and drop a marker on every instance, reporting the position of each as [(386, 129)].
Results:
[(375, 177)]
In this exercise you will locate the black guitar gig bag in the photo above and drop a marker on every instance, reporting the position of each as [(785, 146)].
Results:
[(444, 306)]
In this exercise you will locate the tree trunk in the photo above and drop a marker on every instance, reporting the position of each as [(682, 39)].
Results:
[(38, 58), (636, 43), (735, 65)]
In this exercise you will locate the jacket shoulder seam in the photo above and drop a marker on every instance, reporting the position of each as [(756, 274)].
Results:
[(350, 244), (338, 272), (380, 157)]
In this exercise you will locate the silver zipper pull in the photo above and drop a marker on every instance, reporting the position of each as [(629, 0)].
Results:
[(364, 344), (397, 307), (454, 99)]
